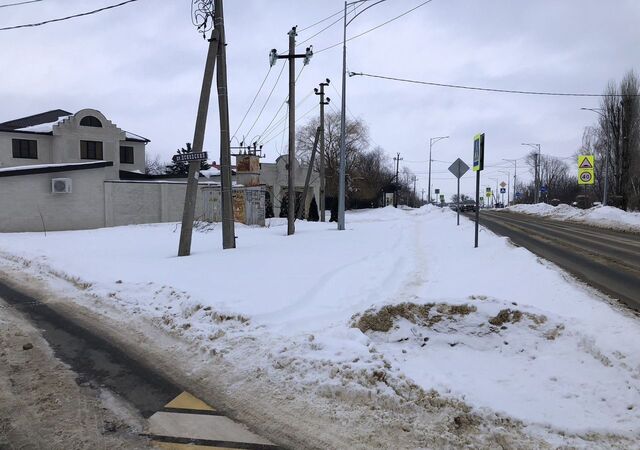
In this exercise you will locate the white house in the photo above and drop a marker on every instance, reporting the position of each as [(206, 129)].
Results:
[(64, 171)]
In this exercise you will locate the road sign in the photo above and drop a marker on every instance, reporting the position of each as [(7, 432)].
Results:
[(441, 198), (544, 189), (478, 152), (585, 162), (488, 189), (188, 157), (458, 168), (489, 194), (518, 195), (586, 169), (503, 190), (503, 184), (437, 191), (586, 177)]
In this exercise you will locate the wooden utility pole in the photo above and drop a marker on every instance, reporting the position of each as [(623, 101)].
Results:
[(397, 159), (228, 225), (188, 214), (291, 56), (322, 149)]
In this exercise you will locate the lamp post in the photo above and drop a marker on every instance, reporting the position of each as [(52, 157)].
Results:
[(432, 141), (537, 182), (343, 139), (496, 191), (606, 154)]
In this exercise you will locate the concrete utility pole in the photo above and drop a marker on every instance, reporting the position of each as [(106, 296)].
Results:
[(432, 141), (422, 197), (538, 161), (397, 159), (291, 56), (323, 185), (188, 214), (228, 225)]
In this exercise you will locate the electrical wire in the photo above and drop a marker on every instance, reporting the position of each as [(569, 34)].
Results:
[(88, 13), (267, 100), (320, 32), (278, 122), (321, 21), (252, 103), (19, 3), (376, 27), (297, 120), (475, 88)]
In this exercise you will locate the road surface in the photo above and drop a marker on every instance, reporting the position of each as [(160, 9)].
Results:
[(166, 414), (605, 259)]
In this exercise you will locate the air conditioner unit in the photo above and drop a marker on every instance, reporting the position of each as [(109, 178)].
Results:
[(61, 185)]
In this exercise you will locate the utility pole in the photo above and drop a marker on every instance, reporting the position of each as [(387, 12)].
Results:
[(320, 92), (205, 12), (432, 141), (538, 160), (228, 225), (291, 56), (397, 160), (422, 197), (414, 189), (515, 172)]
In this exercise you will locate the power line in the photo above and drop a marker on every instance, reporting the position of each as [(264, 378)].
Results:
[(19, 3), (474, 88), (319, 32), (267, 100), (88, 13), (320, 21), (252, 102), (376, 27)]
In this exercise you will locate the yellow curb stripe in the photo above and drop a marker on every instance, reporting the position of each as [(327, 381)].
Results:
[(188, 401)]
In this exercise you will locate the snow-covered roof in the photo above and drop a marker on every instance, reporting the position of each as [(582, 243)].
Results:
[(42, 127), (213, 172), (48, 166)]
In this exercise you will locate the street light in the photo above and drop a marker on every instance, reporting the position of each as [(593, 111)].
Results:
[(432, 141), (343, 139), (537, 182), (606, 154)]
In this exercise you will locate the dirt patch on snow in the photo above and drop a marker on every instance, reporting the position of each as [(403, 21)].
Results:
[(384, 318)]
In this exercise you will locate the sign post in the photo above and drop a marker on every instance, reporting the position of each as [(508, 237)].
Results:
[(478, 165), (458, 168)]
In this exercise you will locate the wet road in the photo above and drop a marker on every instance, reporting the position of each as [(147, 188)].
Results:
[(175, 418), (605, 259)]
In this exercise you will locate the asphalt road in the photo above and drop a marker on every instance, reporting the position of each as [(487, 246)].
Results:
[(605, 259), (175, 418)]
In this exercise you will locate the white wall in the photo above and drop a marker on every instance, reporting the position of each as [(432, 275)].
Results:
[(6, 149), (27, 201)]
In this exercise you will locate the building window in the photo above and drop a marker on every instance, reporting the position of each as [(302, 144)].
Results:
[(126, 155), (90, 150), (25, 148), (90, 121)]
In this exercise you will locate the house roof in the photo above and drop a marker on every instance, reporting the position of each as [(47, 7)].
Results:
[(37, 119), (52, 168), (43, 124)]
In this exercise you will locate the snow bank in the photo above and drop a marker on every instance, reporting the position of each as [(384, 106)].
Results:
[(598, 216), (493, 327)]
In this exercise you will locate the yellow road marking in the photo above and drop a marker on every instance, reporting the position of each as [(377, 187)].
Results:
[(188, 401)]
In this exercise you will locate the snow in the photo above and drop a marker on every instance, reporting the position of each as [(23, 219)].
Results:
[(212, 172), (598, 216), (47, 166), (43, 127), (286, 307), (130, 135)]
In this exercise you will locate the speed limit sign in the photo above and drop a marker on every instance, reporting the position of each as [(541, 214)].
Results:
[(586, 177)]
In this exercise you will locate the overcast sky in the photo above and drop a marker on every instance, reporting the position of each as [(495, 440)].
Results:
[(141, 65)]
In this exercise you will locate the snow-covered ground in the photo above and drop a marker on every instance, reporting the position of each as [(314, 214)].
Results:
[(399, 305), (598, 216)]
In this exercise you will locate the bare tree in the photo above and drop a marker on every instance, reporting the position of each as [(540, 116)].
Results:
[(154, 166)]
